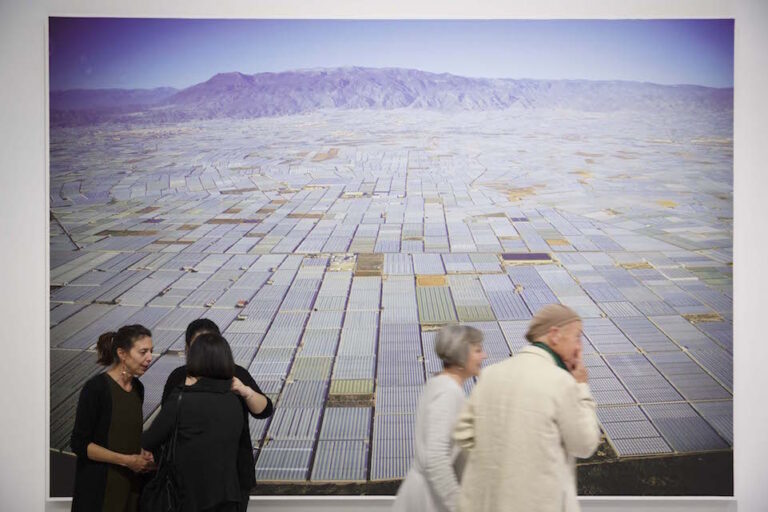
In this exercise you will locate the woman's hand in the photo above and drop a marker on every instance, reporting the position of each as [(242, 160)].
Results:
[(139, 463), (148, 455), (136, 462), (241, 389), (255, 401)]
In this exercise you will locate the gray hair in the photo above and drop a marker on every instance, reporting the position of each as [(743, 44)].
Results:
[(453, 341)]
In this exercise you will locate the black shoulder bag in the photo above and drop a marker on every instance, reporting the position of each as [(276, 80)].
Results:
[(164, 493)]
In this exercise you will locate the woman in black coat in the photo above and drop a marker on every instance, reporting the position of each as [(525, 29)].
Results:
[(254, 402), (210, 420), (107, 434)]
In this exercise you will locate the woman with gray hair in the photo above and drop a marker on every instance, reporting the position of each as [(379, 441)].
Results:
[(432, 484)]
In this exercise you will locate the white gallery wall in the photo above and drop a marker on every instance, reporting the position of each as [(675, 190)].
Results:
[(24, 220)]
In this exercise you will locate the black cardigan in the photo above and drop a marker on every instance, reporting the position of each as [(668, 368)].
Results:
[(210, 421), (92, 420), (245, 466)]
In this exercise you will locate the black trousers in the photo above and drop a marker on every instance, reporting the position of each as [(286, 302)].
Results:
[(230, 506), (244, 500)]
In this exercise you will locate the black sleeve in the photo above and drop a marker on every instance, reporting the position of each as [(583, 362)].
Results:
[(246, 378), (89, 407), (174, 380), (162, 427)]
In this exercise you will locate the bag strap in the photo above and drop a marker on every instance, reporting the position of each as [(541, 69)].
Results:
[(172, 451), (169, 450)]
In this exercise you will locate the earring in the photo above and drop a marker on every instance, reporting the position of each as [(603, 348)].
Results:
[(124, 370)]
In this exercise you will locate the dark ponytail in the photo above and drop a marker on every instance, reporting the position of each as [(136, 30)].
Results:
[(104, 348), (124, 338)]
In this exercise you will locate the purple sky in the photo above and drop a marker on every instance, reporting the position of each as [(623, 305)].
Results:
[(145, 53)]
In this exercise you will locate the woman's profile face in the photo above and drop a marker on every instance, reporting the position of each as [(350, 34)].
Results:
[(475, 359), (137, 360)]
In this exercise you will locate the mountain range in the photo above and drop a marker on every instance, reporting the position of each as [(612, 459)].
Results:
[(237, 95)]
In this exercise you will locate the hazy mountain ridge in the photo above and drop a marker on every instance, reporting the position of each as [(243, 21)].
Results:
[(79, 99), (236, 95)]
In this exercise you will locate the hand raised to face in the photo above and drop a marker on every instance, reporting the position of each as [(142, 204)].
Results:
[(577, 368)]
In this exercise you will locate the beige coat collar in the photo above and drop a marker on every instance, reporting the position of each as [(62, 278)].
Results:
[(530, 349)]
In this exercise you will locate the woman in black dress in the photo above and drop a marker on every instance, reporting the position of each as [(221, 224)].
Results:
[(210, 420), (254, 403), (107, 434)]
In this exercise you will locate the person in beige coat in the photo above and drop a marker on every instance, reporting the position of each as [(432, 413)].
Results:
[(526, 421)]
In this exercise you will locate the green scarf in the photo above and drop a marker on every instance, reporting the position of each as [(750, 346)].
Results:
[(558, 360)]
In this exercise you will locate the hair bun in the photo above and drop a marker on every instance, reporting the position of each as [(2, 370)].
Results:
[(104, 348)]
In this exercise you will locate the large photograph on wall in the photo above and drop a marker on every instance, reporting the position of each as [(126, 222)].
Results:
[(330, 193)]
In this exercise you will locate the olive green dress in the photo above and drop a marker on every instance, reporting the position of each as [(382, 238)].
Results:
[(123, 485)]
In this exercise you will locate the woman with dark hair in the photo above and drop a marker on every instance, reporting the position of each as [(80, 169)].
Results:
[(209, 422), (254, 402), (107, 434)]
